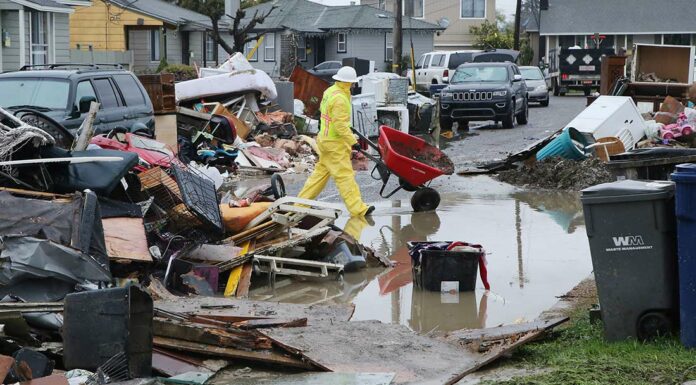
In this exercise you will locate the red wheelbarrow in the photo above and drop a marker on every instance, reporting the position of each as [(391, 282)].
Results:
[(413, 161)]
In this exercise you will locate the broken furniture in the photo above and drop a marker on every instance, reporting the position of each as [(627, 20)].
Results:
[(611, 116), (101, 324)]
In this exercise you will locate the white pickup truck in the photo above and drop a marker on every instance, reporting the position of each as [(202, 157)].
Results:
[(436, 67)]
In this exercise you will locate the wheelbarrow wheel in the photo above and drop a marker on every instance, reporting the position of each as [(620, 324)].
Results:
[(277, 186), (425, 199), (407, 186)]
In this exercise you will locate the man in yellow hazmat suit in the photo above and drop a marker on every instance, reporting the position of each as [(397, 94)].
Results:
[(335, 141)]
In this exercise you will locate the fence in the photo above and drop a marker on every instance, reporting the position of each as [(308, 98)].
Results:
[(124, 58)]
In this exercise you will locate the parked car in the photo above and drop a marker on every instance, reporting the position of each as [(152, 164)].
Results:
[(326, 70), (484, 91), (65, 92), (537, 87), (435, 67)]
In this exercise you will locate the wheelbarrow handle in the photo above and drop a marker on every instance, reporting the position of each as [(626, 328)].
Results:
[(363, 137)]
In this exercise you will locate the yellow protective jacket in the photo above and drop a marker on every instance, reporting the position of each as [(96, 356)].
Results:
[(336, 111)]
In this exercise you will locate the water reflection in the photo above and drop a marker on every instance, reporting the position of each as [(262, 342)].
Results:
[(534, 254)]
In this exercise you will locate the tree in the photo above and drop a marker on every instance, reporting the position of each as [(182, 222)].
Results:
[(240, 28), (493, 35), (531, 8)]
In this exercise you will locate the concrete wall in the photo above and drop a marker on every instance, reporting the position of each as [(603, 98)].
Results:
[(457, 35), (125, 58), (139, 44)]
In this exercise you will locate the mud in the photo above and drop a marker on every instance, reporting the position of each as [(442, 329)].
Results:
[(429, 156), (559, 174)]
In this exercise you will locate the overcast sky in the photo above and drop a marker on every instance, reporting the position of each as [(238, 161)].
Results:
[(508, 6)]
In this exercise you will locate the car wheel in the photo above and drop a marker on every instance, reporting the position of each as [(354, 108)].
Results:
[(556, 88), (445, 124), (545, 103), (463, 125), (523, 116), (509, 119), (587, 91)]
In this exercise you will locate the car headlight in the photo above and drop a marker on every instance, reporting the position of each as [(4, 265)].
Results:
[(540, 88), (499, 93), (447, 94)]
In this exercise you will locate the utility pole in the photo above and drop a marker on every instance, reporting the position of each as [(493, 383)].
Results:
[(518, 14), (398, 37)]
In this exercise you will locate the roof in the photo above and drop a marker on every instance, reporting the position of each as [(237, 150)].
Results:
[(307, 16), (167, 12), (45, 5), (586, 17)]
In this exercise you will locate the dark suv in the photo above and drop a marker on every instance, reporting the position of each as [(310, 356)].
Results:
[(65, 92), (484, 91)]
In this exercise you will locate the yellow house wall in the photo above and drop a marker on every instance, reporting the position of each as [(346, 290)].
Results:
[(103, 25)]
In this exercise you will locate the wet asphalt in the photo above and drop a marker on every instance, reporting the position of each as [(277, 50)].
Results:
[(482, 143)]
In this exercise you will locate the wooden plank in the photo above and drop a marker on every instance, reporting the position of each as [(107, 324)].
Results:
[(126, 239), (271, 323), (231, 338), (269, 357), (308, 88), (233, 281), (241, 309), (502, 332), (35, 193), (245, 281)]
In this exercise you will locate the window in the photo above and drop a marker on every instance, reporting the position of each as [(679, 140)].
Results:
[(480, 74), (413, 8), (382, 4), (130, 90), (438, 61), (682, 39), (248, 47), (269, 47), (532, 74), (45, 93), (566, 41), (107, 96), (210, 47), (459, 58), (342, 42), (155, 45), (302, 47), (389, 47), (84, 88), (39, 38), (473, 9), (426, 63), (420, 62)]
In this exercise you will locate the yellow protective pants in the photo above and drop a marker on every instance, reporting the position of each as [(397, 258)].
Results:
[(334, 162)]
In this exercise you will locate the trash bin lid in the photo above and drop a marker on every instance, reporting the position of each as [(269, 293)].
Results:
[(628, 191), (687, 168)]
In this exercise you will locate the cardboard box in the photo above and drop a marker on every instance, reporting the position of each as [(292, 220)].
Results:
[(666, 61)]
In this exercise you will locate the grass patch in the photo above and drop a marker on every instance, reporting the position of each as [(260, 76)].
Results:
[(579, 355)]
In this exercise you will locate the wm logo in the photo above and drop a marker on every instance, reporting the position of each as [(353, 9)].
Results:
[(631, 240)]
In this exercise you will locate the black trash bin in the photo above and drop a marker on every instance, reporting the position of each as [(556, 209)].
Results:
[(631, 228)]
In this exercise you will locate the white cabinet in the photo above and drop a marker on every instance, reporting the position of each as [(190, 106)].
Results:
[(611, 116)]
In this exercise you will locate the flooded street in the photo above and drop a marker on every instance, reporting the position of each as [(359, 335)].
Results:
[(536, 250)]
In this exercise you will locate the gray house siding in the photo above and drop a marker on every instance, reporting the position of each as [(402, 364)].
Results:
[(196, 47), (371, 46), (173, 46), (62, 38), (10, 55)]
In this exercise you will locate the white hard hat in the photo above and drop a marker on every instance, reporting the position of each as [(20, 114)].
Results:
[(346, 74)]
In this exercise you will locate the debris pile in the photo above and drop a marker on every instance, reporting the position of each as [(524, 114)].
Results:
[(100, 232), (559, 174)]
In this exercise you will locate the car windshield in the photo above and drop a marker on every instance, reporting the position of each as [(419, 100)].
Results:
[(480, 74), (44, 93), (532, 74)]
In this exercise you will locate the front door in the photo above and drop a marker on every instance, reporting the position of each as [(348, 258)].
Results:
[(185, 54), (320, 55)]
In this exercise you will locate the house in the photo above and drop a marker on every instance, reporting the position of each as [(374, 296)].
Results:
[(565, 23), (151, 29), (35, 32), (456, 15), (312, 33)]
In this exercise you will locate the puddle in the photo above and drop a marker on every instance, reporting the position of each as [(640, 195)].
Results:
[(536, 247)]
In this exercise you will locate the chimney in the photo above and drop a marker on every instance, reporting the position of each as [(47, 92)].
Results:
[(231, 7), (544, 5)]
